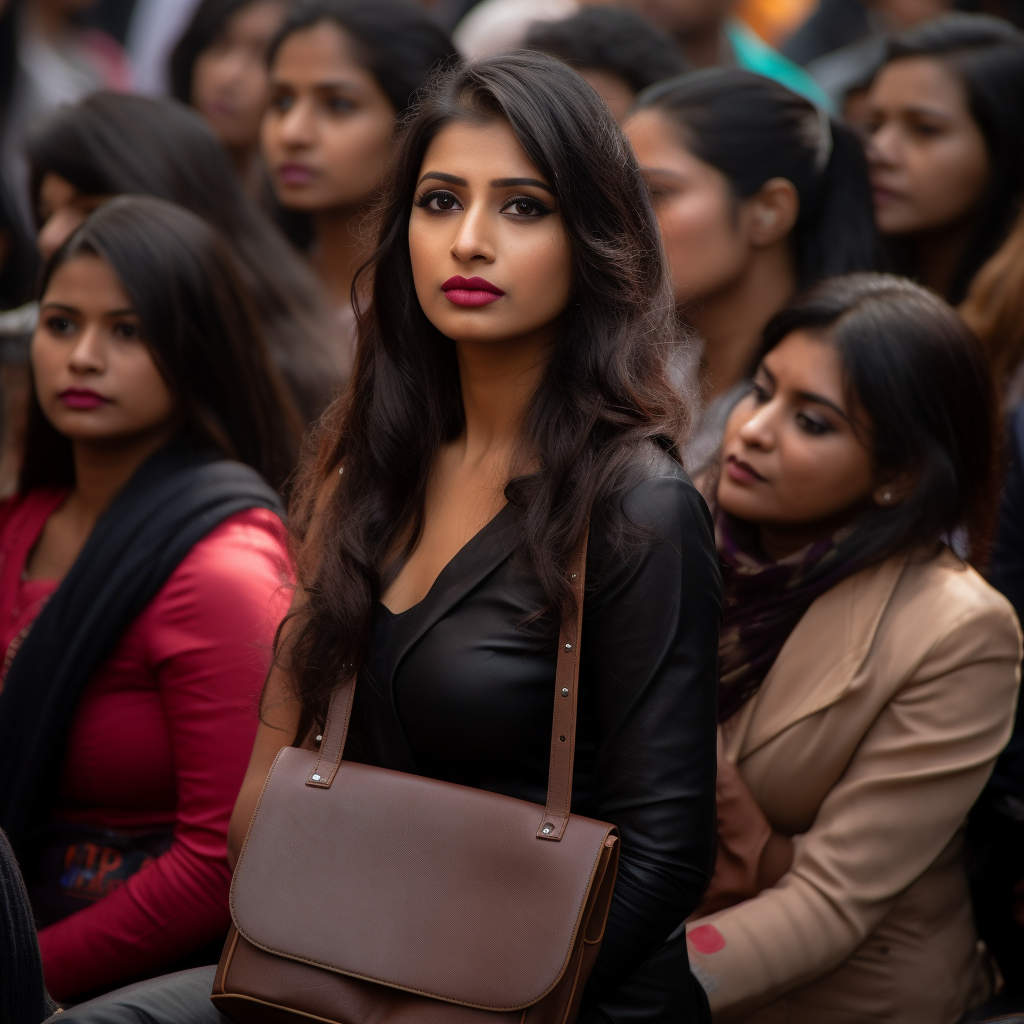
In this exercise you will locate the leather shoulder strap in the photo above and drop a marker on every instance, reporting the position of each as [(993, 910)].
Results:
[(563, 724)]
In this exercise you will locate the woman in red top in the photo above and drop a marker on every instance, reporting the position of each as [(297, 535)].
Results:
[(142, 577)]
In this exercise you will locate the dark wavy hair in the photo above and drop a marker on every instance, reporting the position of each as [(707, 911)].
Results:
[(604, 399), (112, 144), (922, 378), (987, 55), (753, 129), (198, 322)]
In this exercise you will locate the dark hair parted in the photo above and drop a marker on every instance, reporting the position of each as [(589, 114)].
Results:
[(613, 40), (396, 41), (112, 144), (198, 322), (922, 380), (753, 129), (987, 55), (602, 402)]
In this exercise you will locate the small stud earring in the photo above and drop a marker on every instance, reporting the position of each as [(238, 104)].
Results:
[(887, 497)]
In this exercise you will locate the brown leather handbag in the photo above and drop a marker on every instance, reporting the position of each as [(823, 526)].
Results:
[(368, 896)]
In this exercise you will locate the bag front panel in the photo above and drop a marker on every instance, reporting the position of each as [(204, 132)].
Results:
[(428, 887)]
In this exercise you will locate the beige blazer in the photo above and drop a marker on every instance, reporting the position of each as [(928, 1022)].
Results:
[(868, 742)]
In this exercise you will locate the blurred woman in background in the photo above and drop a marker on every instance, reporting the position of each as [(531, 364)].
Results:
[(109, 145), (342, 72), (867, 675), (946, 149), (219, 66), (141, 588), (759, 195)]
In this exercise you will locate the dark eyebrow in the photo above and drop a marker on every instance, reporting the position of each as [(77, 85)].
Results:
[(441, 176), (74, 309), (805, 396), (496, 183), (514, 182), (810, 396)]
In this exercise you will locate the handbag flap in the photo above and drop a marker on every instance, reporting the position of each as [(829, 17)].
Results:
[(417, 884)]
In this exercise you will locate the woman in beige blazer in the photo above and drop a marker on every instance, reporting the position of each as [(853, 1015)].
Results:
[(868, 675)]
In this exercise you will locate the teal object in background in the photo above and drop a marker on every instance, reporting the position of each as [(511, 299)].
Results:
[(754, 54)]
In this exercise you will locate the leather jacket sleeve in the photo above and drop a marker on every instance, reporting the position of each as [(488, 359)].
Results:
[(649, 661)]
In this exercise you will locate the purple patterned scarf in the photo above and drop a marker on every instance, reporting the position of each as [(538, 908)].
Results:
[(764, 600)]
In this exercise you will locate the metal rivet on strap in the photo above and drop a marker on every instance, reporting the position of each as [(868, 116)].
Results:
[(548, 829), (561, 739), (565, 691), (568, 647), (316, 778), (573, 576), (319, 739)]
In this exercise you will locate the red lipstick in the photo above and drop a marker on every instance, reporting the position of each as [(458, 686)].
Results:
[(470, 291), (741, 472), (82, 398)]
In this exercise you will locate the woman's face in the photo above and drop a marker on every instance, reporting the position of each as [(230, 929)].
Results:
[(326, 134), (94, 377), (490, 257), (62, 210), (229, 79), (928, 159), (704, 235), (792, 462)]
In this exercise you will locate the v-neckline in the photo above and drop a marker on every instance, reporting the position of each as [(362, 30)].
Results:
[(439, 578)]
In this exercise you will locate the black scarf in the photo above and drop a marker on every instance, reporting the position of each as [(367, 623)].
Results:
[(174, 500)]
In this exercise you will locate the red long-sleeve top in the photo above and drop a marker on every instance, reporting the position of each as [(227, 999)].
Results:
[(161, 739)]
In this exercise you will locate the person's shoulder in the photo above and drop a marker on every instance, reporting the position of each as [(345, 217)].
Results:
[(951, 602), (242, 559), (661, 496)]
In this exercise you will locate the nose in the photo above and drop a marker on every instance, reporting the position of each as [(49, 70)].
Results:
[(473, 241), (881, 146), (88, 355), (296, 127), (758, 431)]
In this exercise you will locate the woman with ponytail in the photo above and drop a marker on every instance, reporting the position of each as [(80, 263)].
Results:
[(760, 195)]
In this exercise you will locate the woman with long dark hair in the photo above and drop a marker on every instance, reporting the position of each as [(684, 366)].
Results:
[(113, 145), (342, 73), (946, 150), (759, 195), (867, 674), (144, 559), (219, 66), (510, 398)]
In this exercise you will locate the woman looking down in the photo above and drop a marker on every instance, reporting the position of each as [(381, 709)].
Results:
[(867, 673)]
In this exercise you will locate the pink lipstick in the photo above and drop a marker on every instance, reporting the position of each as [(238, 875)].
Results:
[(470, 291), (740, 471), (82, 398), (295, 174)]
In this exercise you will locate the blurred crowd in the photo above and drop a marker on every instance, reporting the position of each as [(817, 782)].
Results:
[(210, 176)]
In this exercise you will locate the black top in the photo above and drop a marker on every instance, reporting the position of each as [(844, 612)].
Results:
[(457, 689)]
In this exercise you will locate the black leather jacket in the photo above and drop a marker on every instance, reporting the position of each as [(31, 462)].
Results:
[(457, 689)]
